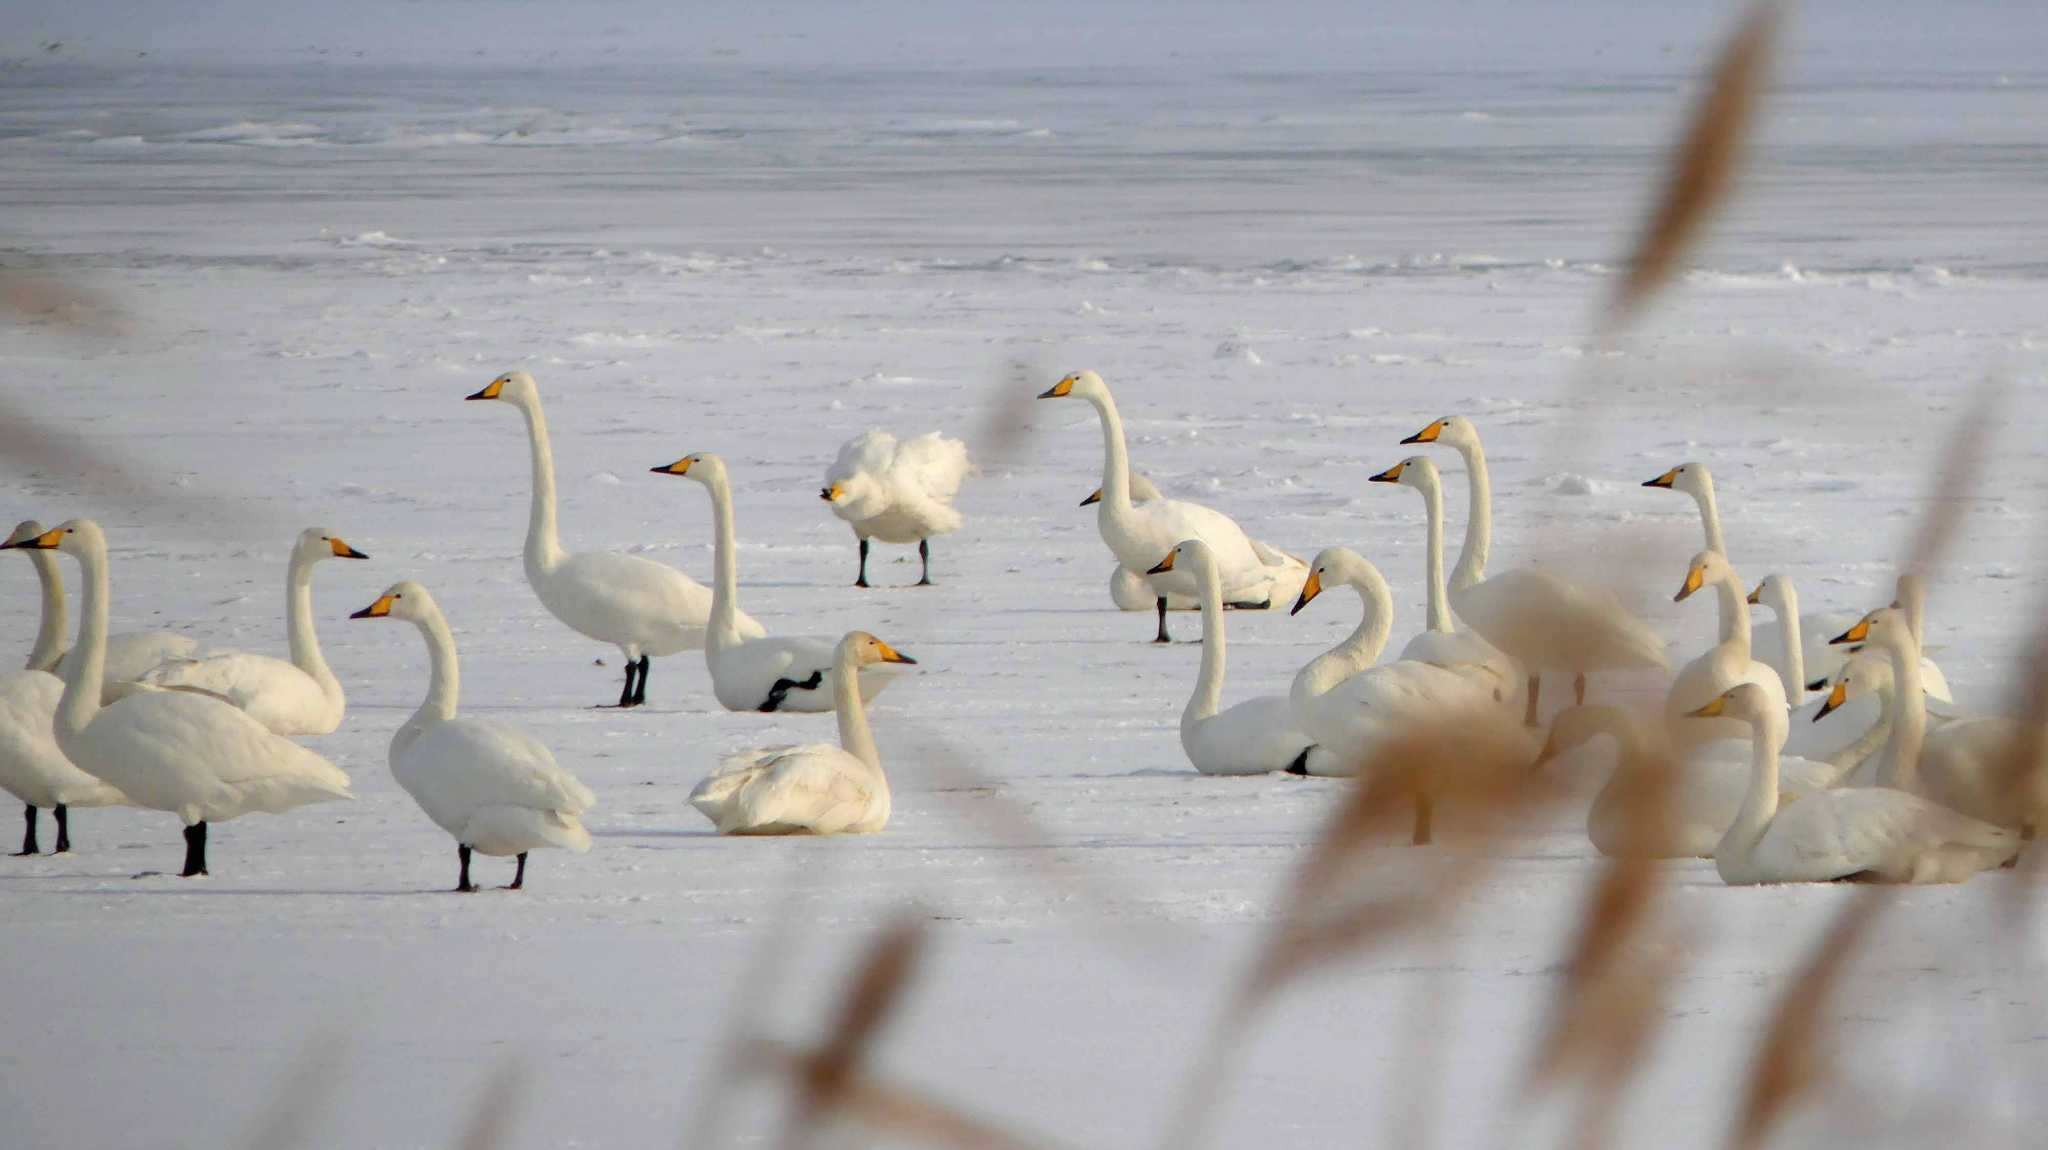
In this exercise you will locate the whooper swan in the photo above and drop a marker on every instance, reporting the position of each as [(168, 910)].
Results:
[(128, 654), (495, 788), (1129, 589), (641, 607), (897, 491), (1721, 666), (813, 789)]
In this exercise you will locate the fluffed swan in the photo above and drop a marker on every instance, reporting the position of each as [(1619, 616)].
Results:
[(190, 754), (1254, 737), (1860, 832), (1543, 620), (762, 672), (495, 788), (897, 491), (1441, 643), (1138, 533), (1975, 766), (1350, 707), (814, 789), (1723, 665), (32, 766), (128, 654), (296, 696), (641, 607)]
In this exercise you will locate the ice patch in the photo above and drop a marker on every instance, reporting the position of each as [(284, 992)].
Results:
[(373, 239), (1240, 351)]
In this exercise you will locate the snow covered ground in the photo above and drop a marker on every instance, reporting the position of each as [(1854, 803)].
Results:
[(1285, 242)]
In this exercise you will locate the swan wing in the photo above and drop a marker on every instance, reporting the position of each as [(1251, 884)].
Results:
[(202, 758), (465, 765), (818, 788), (32, 766), (932, 466), (1895, 835), (1254, 737), (274, 691)]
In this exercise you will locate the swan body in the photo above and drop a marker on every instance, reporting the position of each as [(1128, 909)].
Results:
[(494, 788), (762, 672), (190, 754), (296, 696), (1537, 617), (1128, 589), (813, 789), (1723, 665), (898, 491), (129, 655), (1253, 737), (1138, 533), (1871, 832), (641, 607)]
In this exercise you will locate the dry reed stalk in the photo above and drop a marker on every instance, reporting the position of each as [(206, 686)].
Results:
[(888, 1109), (295, 1107), (871, 996), (491, 1116)]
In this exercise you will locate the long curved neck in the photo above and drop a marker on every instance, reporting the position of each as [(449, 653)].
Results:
[(1909, 721), (1439, 603), (1358, 650), (1478, 524), (1870, 741), (724, 631), (298, 626), (1116, 459), (444, 682), (854, 735), (1734, 613), (1792, 632), (543, 541), (1760, 805), (1208, 694), (1710, 516), (84, 678), (51, 632)]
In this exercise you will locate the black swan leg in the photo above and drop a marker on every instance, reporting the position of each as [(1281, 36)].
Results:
[(924, 554), (195, 851), (640, 687), (519, 876), (1162, 637), (862, 579), (63, 814), (462, 883), (28, 837)]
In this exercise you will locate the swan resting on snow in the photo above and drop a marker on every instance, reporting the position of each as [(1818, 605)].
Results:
[(495, 788), (641, 607), (1721, 666), (190, 754), (815, 789), (296, 696), (898, 491), (1254, 737)]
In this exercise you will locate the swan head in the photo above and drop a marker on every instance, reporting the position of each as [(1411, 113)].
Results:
[(1417, 471), (1886, 626), (1776, 593), (1865, 673), (1706, 567), (1143, 490), (514, 387), (1691, 478), (317, 543), (701, 466), (1080, 384), (1574, 727), (402, 600), (1450, 431), (1191, 555), (1339, 565), (73, 537), (868, 650), (1744, 701)]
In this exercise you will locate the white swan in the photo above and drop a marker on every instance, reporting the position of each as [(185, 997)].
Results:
[(897, 491), (296, 696), (814, 789), (1848, 832), (495, 788), (1352, 708), (1441, 643), (32, 766), (1254, 737), (761, 672), (1543, 620), (1909, 594), (187, 753), (641, 607), (1129, 589), (1723, 665), (128, 654), (1975, 766), (1138, 533)]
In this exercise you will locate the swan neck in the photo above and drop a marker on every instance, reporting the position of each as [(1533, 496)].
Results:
[(444, 680), (1208, 695), (1909, 721), (299, 630), (1870, 741), (543, 539), (85, 677), (55, 625), (1710, 516), (1760, 804), (1116, 460), (1439, 602), (1793, 633), (1478, 523), (854, 736), (724, 630), (1734, 603), (1359, 649)]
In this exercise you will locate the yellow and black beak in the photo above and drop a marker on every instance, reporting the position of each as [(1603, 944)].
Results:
[(1836, 698), (1165, 564), (377, 610), (490, 390), (831, 494), (1309, 590), (892, 655), (343, 550), (1391, 474), (1665, 480), (1059, 390), (1757, 596), (1860, 633), (1711, 710), (1695, 578), (47, 541), (1427, 434), (1094, 497), (679, 467)]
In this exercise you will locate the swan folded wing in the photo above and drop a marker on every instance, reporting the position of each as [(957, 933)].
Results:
[(197, 745), (618, 594), (1253, 737), (1160, 524), (1469, 656), (1890, 833), (814, 788), (243, 680), (32, 768), (468, 764)]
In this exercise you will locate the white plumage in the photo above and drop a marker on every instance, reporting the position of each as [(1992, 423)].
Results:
[(128, 655), (1722, 666), (897, 491)]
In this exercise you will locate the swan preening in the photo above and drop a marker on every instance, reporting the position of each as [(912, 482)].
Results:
[(493, 787), (898, 491), (815, 789), (759, 672), (184, 752), (642, 607), (1253, 737), (1138, 533), (296, 696)]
